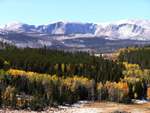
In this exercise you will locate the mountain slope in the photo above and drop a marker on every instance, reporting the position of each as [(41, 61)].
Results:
[(70, 35), (125, 29)]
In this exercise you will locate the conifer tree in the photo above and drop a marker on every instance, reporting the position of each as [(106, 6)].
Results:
[(1, 102)]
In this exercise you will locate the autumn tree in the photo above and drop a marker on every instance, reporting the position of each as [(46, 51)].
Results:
[(148, 94), (99, 88)]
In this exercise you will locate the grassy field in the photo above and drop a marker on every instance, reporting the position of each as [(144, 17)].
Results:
[(96, 107)]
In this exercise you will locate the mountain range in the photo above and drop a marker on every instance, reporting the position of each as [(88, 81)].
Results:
[(63, 34)]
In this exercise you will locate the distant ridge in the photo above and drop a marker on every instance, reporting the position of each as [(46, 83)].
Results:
[(71, 34), (124, 29)]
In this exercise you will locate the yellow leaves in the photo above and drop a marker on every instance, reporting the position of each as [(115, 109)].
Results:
[(121, 49), (13, 72), (121, 95), (135, 95), (19, 103), (56, 66), (133, 73), (54, 78), (68, 83), (72, 88), (131, 66), (142, 85), (46, 79), (2, 74), (137, 79), (148, 93), (99, 85), (124, 88), (133, 88), (116, 52), (146, 71), (63, 66), (130, 73), (107, 82), (92, 67), (85, 80), (72, 82), (11, 96), (137, 66), (75, 81), (124, 72), (120, 89), (136, 72), (6, 63), (8, 92), (126, 49), (61, 80), (68, 66), (81, 65)]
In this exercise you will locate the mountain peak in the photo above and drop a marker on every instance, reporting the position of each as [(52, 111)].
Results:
[(12, 25), (121, 29), (15, 23), (141, 22)]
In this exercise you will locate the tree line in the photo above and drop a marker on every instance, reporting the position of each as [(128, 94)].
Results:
[(135, 55)]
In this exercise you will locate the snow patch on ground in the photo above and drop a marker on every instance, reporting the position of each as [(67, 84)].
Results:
[(137, 101)]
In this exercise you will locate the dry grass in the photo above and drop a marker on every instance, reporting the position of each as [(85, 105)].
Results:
[(97, 107), (112, 106)]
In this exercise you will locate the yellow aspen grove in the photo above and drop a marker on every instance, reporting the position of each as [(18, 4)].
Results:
[(70, 82)]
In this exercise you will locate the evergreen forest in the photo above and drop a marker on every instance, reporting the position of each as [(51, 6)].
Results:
[(39, 77)]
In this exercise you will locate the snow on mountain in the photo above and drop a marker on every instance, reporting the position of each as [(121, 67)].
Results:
[(136, 29)]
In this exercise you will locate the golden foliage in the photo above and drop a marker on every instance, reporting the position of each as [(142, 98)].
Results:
[(6, 63), (135, 95), (56, 66), (8, 93), (99, 85), (148, 93), (63, 66)]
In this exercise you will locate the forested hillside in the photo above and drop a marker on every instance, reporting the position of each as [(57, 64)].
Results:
[(37, 78), (136, 55)]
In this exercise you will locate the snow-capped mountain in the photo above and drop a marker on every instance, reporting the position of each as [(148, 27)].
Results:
[(71, 34), (138, 29)]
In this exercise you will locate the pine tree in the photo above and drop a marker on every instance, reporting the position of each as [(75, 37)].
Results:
[(1, 102)]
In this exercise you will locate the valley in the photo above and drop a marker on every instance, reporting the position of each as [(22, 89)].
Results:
[(46, 66)]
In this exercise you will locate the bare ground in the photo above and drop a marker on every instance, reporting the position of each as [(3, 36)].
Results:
[(100, 107)]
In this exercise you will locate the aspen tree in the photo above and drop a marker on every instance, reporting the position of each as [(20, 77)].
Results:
[(99, 88)]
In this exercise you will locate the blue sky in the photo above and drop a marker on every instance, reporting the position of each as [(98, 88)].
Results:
[(47, 11)]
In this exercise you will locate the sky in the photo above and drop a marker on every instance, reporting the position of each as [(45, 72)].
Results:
[(36, 12)]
